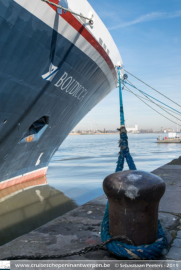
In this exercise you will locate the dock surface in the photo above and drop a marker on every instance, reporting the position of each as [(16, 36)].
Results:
[(81, 227)]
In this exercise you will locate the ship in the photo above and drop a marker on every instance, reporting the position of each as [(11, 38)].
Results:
[(170, 138), (57, 61)]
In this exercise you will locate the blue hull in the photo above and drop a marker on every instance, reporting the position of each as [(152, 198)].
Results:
[(28, 48)]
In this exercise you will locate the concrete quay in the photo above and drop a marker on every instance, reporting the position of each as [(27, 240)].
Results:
[(80, 227)]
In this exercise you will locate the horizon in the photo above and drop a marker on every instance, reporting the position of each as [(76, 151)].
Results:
[(162, 129)]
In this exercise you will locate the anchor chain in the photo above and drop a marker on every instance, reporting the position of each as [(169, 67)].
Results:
[(80, 252)]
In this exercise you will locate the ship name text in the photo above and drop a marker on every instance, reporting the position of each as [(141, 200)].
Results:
[(71, 86)]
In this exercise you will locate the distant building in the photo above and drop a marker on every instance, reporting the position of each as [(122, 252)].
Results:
[(112, 131), (146, 130), (132, 129), (166, 130)]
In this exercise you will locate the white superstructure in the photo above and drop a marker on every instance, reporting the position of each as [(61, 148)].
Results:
[(99, 30)]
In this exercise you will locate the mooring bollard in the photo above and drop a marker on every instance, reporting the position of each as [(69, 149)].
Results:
[(133, 205)]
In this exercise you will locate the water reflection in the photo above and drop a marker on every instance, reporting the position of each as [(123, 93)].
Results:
[(26, 206)]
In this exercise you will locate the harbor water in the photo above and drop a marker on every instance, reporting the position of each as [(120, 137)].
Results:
[(74, 177), (82, 162)]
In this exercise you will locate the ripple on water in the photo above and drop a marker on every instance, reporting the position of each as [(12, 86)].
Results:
[(84, 161)]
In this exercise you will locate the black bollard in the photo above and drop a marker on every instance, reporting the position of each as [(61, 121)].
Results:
[(133, 205)]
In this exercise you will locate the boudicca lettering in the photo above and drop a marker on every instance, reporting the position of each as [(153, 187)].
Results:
[(71, 86)]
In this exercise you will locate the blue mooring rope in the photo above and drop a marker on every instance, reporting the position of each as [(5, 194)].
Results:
[(124, 152), (122, 121), (123, 143), (151, 96), (143, 252)]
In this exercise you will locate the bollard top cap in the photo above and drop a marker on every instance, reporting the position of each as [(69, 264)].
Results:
[(134, 185)]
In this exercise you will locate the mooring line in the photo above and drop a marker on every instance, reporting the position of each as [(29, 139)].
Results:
[(152, 88), (152, 107)]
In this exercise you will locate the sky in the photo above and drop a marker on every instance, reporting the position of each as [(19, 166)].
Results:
[(148, 36)]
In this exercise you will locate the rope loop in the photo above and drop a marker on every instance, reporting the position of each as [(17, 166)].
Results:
[(142, 252)]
